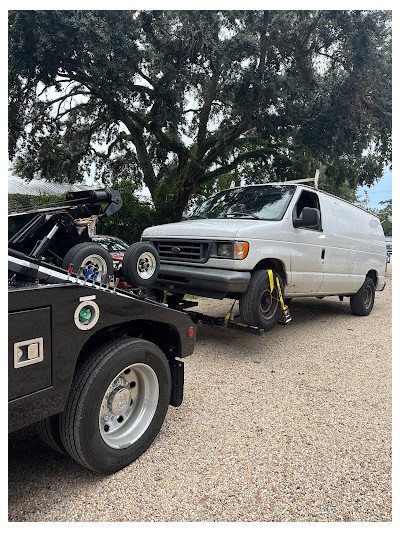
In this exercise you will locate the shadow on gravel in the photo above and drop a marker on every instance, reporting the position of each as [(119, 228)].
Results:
[(303, 311), (36, 469)]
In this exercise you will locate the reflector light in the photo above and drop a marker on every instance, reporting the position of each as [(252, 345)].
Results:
[(191, 332), (241, 249)]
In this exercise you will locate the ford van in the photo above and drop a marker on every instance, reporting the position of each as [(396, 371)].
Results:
[(315, 243)]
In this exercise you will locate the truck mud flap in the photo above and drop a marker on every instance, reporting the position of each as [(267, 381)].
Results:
[(177, 380)]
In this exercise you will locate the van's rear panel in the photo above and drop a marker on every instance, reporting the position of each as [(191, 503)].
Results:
[(355, 244)]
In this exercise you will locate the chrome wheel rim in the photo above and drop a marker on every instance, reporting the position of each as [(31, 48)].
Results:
[(97, 261), (128, 406), (146, 265)]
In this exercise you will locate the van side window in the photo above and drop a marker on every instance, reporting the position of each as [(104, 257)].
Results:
[(307, 199)]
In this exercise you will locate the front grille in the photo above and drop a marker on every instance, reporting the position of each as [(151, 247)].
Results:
[(182, 250)]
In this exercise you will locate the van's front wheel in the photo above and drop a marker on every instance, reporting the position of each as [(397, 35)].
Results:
[(259, 306)]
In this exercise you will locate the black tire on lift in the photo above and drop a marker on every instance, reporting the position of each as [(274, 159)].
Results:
[(98, 387), (141, 264), (88, 254), (258, 306)]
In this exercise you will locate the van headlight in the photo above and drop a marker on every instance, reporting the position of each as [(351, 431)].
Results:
[(231, 250), (225, 249)]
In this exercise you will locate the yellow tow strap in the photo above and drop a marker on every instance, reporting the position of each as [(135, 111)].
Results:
[(271, 280), (285, 310), (228, 316)]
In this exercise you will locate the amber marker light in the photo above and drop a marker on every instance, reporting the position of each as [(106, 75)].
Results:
[(240, 250)]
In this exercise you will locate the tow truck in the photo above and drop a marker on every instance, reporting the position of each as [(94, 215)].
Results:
[(94, 367)]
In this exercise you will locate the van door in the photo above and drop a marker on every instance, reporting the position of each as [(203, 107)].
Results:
[(345, 234), (306, 249)]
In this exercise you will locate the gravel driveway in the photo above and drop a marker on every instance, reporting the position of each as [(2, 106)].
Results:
[(291, 426)]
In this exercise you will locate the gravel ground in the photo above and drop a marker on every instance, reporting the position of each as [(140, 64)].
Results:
[(291, 426)]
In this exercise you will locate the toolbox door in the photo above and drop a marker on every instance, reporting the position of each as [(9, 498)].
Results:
[(29, 352)]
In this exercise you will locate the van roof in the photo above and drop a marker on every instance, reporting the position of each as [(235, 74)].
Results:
[(309, 188), (341, 199)]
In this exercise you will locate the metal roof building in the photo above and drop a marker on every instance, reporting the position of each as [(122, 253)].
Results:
[(36, 187)]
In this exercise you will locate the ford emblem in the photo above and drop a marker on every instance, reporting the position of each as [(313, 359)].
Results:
[(175, 250)]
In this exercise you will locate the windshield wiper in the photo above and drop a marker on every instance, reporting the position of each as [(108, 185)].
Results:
[(196, 216), (237, 214)]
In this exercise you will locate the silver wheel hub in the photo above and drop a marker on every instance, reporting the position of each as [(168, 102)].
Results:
[(119, 401), (97, 261), (128, 405), (146, 265)]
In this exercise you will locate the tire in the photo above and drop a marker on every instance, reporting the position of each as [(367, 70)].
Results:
[(87, 254), (112, 416), (141, 264), (258, 307), (362, 302), (49, 431)]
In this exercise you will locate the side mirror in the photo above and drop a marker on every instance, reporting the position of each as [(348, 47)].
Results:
[(310, 218)]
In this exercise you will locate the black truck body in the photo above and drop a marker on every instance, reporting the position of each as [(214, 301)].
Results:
[(46, 311), (93, 366)]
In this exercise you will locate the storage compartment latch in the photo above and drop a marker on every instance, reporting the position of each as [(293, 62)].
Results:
[(28, 352)]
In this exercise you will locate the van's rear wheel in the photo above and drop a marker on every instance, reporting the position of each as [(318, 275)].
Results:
[(259, 306), (362, 302)]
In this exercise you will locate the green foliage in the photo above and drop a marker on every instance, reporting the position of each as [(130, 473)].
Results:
[(187, 101), (384, 213), (44, 199), (134, 216)]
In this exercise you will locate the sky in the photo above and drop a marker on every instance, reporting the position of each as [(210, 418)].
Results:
[(380, 191)]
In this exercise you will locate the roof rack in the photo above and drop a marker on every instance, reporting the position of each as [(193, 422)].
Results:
[(314, 179)]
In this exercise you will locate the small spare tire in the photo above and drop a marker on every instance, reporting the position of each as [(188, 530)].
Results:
[(87, 255), (141, 264)]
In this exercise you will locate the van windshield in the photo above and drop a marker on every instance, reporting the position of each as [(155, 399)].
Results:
[(265, 202)]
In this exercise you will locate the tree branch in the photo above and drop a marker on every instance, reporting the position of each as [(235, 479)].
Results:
[(227, 141), (210, 94), (143, 156), (145, 77), (223, 169), (116, 141)]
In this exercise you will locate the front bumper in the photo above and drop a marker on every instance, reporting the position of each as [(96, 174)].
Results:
[(213, 282)]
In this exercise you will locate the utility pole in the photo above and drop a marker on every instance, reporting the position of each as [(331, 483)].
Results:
[(366, 199)]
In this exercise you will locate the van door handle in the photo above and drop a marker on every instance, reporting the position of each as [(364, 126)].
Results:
[(323, 253)]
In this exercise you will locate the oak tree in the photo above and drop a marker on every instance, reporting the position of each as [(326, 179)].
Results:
[(177, 99)]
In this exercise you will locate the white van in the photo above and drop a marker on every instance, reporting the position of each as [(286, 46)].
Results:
[(316, 243)]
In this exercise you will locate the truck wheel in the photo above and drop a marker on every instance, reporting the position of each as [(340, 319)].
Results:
[(87, 255), (362, 302), (118, 401), (258, 306), (141, 264), (49, 431)]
